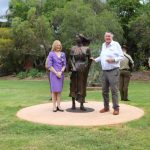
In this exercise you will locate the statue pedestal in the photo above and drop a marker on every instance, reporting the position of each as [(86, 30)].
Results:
[(43, 114)]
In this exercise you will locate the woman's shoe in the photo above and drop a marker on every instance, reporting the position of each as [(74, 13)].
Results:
[(54, 110), (60, 109)]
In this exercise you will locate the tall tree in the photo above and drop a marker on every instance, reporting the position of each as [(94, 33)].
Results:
[(32, 36), (51, 5), (6, 47), (139, 35), (73, 19), (126, 10), (20, 8)]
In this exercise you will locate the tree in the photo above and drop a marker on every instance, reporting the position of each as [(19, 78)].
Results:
[(139, 34), (20, 8), (32, 37), (23, 36), (126, 10), (73, 19), (6, 46), (52, 5), (43, 33), (6, 42), (96, 5)]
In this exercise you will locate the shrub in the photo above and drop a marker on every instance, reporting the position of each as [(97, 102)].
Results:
[(95, 69), (143, 68), (31, 73), (40, 74), (22, 75), (5, 33)]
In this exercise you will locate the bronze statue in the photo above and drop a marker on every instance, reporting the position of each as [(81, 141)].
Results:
[(80, 64)]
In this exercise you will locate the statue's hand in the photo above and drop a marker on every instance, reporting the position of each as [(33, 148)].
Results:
[(92, 58)]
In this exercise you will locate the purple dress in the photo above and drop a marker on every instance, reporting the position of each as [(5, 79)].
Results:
[(57, 63)]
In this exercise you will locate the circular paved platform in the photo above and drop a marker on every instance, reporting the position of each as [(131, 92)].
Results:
[(43, 113)]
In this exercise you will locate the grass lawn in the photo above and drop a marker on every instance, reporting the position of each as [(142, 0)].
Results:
[(21, 135)]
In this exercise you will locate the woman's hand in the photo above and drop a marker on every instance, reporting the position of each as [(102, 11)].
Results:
[(59, 74)]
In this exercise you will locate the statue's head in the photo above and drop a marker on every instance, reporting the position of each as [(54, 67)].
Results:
[(78, 40), (84, 40)]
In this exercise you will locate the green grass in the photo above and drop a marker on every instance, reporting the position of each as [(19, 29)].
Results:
[(16, 134)]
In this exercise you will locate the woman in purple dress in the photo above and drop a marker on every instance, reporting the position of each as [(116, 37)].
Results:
[(56, 65)]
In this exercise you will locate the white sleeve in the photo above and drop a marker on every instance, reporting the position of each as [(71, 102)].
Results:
[(98, 59)]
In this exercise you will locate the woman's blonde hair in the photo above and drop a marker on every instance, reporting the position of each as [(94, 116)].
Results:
[(54, 45)]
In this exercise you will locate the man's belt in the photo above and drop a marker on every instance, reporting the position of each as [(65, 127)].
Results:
[(111, 69)]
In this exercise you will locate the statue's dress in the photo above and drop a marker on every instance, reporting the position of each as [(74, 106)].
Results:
[(80, 64)]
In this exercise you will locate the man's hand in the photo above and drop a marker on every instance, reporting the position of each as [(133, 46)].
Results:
[(110, 60)]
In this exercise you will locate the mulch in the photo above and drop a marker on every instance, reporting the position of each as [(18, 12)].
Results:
[(137, 76)]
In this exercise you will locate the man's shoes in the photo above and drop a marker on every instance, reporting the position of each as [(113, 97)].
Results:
[(116, 112), (104, 110)]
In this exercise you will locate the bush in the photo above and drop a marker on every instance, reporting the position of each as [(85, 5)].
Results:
[(35, 73), (6, 47), (5, 33), (31, 73), (143, 68), (94, 78), (22, 75), (40, 74)]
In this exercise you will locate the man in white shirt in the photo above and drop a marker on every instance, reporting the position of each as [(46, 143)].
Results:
[(110, 58)]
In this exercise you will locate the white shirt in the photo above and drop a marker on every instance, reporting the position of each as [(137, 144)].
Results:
[(114, 51)]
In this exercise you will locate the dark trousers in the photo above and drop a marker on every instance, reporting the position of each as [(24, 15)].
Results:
[(124, 83), (110, 79)]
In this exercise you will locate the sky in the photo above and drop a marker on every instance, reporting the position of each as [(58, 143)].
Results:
[(3, 8)]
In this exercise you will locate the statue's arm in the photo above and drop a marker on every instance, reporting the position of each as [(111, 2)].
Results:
[(89, 61), (71, 62)]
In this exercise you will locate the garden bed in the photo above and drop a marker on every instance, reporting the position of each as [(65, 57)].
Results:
[(141, 76)]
